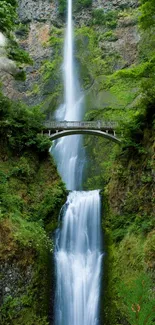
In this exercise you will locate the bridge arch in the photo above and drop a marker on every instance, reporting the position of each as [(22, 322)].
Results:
[(103, 134)]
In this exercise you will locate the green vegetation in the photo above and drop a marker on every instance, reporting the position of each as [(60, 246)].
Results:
[(31, 192), (7, 15), (83, 4), (127, 95), (62, 7), (21, 127), (147, 17), (101, 62), (108, 36), (8, 24), (51, 72), (31, 195), (107, 19)]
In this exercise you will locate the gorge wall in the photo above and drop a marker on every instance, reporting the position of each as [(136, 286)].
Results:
[(41, 33)]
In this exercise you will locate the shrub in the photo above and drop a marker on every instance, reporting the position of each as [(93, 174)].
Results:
[(83, 3), (139, 303), (21, 127), (107, 19), (7, 15), (147, 17), (62, 7)]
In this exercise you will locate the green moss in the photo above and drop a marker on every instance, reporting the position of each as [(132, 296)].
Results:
[(125, 173), (128, 287), (62, 7), (88, 47), (51, 73), (82, 4), (107, 19), (108, 36), (31, 195), (147, 16)]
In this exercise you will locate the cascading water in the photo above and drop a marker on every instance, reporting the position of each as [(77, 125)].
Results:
[(67, 150), (77, 254), (78, 261)]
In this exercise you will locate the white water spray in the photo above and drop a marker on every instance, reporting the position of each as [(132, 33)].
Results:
[(78, 261)]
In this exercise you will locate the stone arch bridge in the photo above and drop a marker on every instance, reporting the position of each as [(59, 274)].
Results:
[(58, 129)]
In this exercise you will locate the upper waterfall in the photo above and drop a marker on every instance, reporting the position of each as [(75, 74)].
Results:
[(67, 151), (69, 83)]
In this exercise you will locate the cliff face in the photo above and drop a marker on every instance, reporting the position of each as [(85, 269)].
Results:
[(35, 23), (37, 10), (42, 26)]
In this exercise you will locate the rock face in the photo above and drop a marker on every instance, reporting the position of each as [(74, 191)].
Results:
[(34, 44), (13, 278), (39, 19), (115, 4), (37, 10)]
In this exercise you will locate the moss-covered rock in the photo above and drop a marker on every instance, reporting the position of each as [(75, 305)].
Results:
[(31, 196)]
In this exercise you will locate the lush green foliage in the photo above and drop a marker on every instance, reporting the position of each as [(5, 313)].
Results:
[(138, 300), (62, 7), (18, 54), (31, 195), (51, 72), (147, 19), (83, 4), (127, 95), (21, 127), (7, 15), (8, 24), (107, 19), (30, 191)]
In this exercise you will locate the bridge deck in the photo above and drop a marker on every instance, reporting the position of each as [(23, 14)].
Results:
[(71, 125)]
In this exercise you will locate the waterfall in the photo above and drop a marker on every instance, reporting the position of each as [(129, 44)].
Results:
[(78, 261), (67, 151), (78, 249)]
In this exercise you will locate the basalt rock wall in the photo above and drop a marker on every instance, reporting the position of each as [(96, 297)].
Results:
[(41, 22)]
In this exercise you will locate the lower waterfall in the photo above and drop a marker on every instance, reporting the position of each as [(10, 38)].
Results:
[(78, 260)]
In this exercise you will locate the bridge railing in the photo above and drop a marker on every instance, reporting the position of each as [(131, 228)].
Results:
[(90, 125)]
